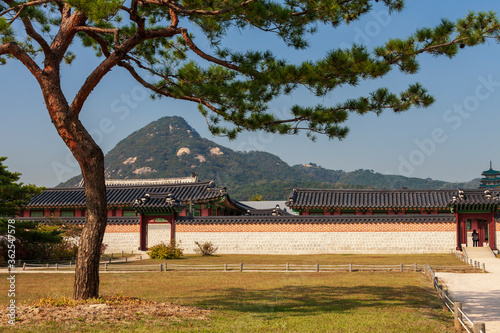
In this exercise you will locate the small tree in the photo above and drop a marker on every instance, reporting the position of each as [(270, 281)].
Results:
[(164, 251), (205, 249), (13, 195)]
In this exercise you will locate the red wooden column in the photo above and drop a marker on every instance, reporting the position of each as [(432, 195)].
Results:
[(143, 229), (172, 231), (492, 236), (459, 238)]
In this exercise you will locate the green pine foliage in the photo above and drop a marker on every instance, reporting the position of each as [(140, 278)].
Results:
[(234, 88), (13, 195), (33, 239)]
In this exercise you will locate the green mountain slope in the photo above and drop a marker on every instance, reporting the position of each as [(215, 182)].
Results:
[(169, 147)]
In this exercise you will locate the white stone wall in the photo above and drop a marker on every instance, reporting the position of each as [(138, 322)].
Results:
[(157, 233), (121, 241), (320, 242)]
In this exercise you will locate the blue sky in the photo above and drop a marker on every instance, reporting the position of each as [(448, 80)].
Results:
[(452, 140)]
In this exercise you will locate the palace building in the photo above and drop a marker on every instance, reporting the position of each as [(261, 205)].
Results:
[(143, 213), (491, 178)]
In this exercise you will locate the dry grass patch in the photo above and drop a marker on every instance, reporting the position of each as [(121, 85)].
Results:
[(106, 309)]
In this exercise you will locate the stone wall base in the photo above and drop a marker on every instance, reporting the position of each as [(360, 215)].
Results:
[(121, 241), (320, 242), (158, 233)]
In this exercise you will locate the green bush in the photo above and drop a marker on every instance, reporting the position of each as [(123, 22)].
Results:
[(205, 249), (164, 251)]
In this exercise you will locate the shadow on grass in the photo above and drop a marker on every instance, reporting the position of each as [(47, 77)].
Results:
[(305, 300)]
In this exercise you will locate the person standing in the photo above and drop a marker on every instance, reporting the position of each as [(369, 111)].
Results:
[(475, 238)]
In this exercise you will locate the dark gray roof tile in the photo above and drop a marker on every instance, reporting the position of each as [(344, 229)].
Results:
[(403, 198), (328, 219), (126, 195), (120, 220)]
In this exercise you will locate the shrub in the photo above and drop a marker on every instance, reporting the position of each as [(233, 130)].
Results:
[(164, 251), (205, 249)]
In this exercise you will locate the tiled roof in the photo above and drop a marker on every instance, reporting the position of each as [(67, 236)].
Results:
[(144, 182), (475, 197), (491, 172), (126, 195), (125, 220), (328, 219), (351, 199), (267, 212), (157, 202)]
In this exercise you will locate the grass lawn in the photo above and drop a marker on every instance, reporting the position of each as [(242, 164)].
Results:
[(263, 301), (323, 259)]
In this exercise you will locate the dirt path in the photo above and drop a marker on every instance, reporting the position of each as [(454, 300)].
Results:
[(479, 293)]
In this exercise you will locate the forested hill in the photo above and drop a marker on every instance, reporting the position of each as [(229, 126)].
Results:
[(169, 147)]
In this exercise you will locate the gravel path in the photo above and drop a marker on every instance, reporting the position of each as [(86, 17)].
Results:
[(479, 293)]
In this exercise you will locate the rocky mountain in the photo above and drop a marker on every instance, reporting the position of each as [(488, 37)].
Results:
[(169, 147)]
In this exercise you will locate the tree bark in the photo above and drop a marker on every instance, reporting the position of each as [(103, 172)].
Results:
[(87, 263), (91, 160)]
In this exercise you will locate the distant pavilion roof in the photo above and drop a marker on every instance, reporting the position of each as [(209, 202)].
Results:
[(490, 172), (144, 182)]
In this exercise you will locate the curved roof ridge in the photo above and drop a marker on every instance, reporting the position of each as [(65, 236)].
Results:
[(374, 190), (206, 182)]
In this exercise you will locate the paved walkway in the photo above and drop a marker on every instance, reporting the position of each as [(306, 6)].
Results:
[(479, 293)]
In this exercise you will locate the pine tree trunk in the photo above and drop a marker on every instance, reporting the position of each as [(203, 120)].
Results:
[(89, 250), (91, 160)]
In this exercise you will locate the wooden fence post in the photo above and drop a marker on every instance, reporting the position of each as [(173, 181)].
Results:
[(479, 327), (401, 268), (105, 267), (225, 267), (287, 267), (350, 267), (57, 266), (241, 267), (415, 267), (24, 266), (458, 315), (165, 266), (317, 267), (445, 294), (161, 267), (484, 267)]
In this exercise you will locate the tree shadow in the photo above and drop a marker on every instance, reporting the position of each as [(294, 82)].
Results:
[(479, 305), (306, 300)]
